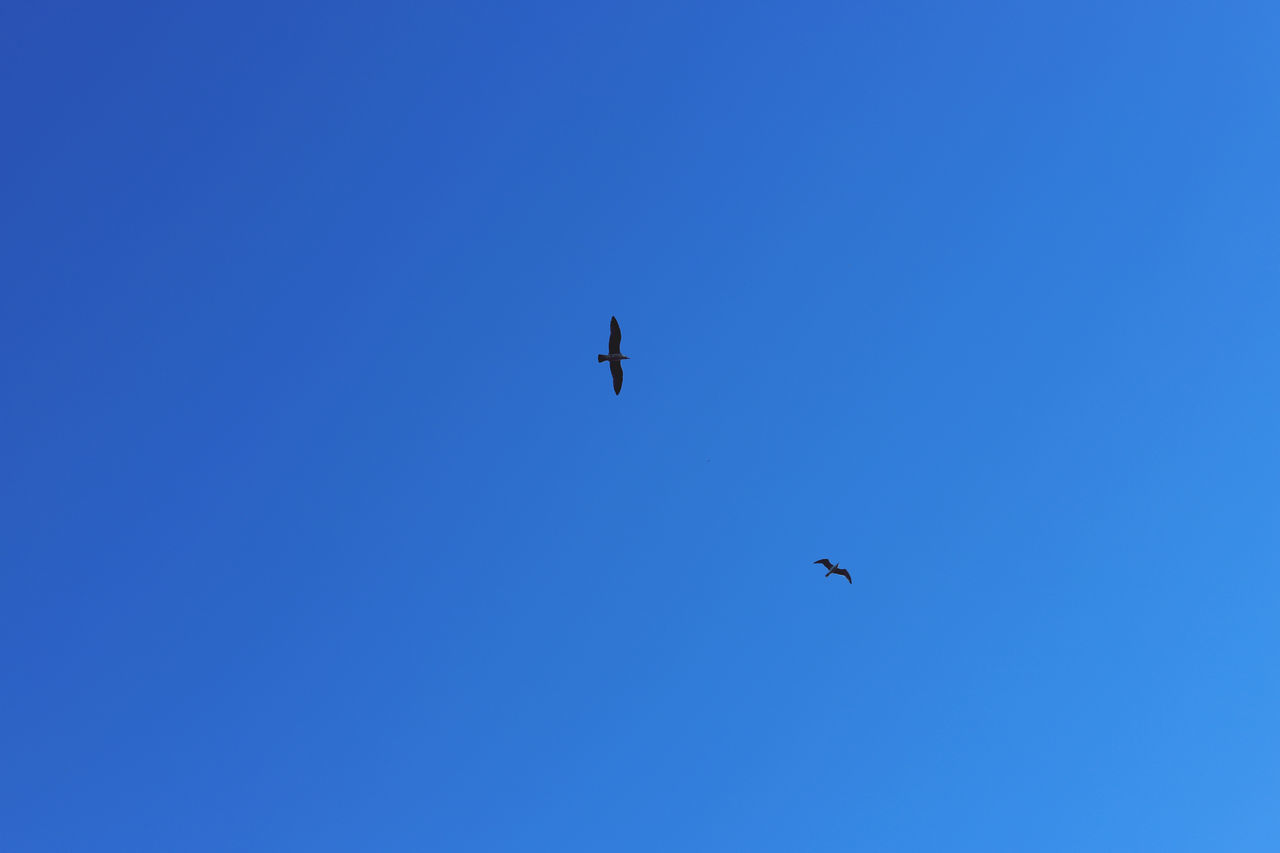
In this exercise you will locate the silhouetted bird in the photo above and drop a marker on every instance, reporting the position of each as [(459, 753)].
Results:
[(833, 570), (614, 357)]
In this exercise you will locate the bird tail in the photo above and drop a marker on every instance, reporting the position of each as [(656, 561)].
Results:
[(601, 358)]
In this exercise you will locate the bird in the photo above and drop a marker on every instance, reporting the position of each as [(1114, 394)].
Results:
[(614, 357), (833, 569)]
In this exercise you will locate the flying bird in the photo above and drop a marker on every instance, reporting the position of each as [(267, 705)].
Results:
[(614, 357), (833, 570)]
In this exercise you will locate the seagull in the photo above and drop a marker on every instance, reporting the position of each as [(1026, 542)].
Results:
[(833, 569), (614, 357)]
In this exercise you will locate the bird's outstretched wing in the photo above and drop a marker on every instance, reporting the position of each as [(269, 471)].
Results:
[(615, 341), (824, 562), (615, 367), (847, 576)]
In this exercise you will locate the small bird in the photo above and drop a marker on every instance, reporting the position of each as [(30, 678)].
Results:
[(614, 357), (833, 569)]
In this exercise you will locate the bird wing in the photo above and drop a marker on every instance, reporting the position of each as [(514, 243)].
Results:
[(824, 562), (615, 367), (847, 576), (615, 341)]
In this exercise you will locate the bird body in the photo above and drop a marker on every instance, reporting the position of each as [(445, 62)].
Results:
[(833, 570), (615, 356)]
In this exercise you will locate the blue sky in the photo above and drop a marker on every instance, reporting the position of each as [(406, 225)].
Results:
[(323, 529)]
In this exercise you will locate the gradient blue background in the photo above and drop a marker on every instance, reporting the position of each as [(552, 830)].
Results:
[(322, 528)]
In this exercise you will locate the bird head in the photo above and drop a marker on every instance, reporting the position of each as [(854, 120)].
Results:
[(624, 356)]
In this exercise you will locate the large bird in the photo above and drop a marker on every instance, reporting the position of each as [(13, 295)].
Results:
[(614, 357), (833, 570)]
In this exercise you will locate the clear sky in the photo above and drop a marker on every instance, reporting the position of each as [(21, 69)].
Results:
[(324, 530)]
